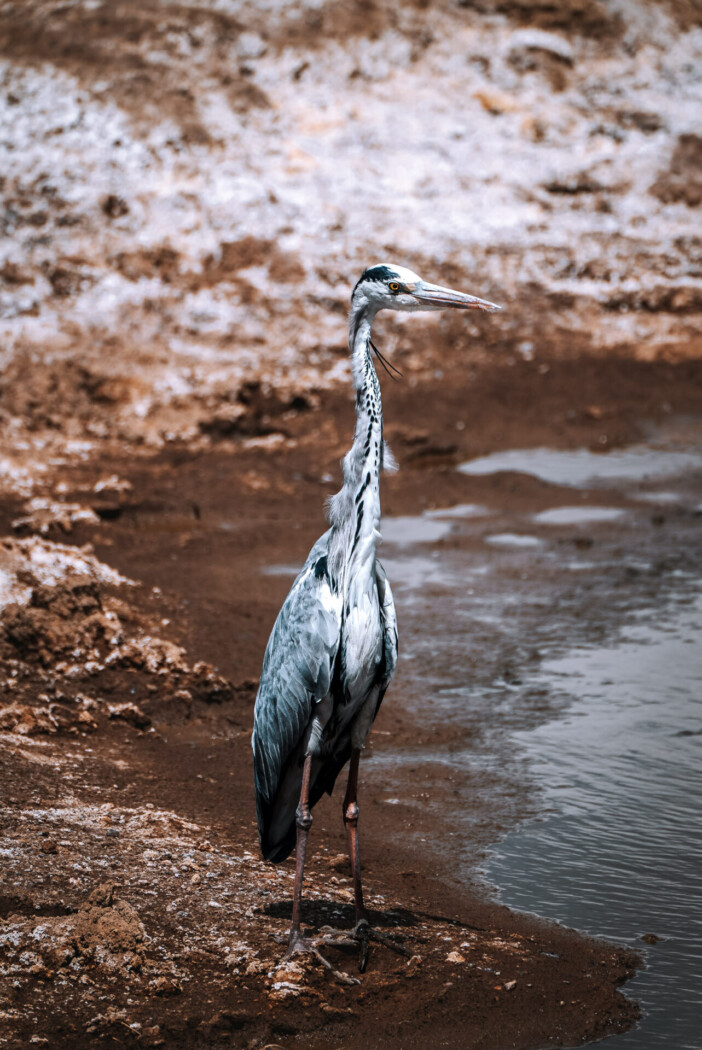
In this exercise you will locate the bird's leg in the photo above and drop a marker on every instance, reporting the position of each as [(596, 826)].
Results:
[(351, 824), (303, 819), (363, 932), (296, 942)]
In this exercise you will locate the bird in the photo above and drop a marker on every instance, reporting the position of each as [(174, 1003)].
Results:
[(333, 649)]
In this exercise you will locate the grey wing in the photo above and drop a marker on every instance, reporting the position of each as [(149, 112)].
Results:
[(297, 672), (388, 619)]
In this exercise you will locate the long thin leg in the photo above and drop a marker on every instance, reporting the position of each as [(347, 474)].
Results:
[(351, 823), (363, 933), (303, 819)]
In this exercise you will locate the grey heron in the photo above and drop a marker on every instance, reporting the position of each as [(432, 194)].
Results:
[(333, 648)]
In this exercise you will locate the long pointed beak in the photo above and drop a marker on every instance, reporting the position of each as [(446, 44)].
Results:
[(435, 297)]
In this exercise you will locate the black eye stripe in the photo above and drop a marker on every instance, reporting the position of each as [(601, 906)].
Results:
[(376, 273)]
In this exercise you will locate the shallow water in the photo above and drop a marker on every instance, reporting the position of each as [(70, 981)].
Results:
[(582, 467), (513, 539), (620, 853), (577, 515), (592, 666), (414, 530)]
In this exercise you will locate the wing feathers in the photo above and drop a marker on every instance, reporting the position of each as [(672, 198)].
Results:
[(297, 672), (305, 662)]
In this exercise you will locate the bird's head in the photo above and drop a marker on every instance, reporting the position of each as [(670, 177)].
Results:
[(389, 287)]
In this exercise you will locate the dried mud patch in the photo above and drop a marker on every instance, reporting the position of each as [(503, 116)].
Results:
[(155, 45), (574, 17), (69, 635), (683, 180), (190, 194), (63, 396)]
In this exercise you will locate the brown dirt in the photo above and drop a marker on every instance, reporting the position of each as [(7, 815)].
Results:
[(683, 181)]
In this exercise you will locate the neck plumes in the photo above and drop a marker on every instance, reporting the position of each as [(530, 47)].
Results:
[(354, 513)]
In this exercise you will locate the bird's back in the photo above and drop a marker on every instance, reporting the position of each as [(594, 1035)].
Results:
[(315, 656)]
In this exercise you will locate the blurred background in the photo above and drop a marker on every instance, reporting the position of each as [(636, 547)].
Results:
[(190, 190)]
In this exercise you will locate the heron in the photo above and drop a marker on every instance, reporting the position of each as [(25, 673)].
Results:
[(333, 649)]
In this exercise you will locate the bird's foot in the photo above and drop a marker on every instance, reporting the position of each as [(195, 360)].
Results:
[(358, 939), (364, 933), (297, 943)]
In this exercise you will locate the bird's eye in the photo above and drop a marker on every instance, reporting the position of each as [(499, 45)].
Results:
[(394, 286)]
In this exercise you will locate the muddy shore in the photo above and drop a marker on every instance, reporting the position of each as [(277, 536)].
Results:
[(134, 909)]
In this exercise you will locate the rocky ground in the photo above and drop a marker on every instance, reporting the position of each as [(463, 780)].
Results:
[(188, 192)]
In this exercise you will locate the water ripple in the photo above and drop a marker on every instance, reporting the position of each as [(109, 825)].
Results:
[(622, 855)]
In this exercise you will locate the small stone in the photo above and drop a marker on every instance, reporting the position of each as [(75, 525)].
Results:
[(290, 972), (131, 713), (112, 833), (335, 1012), (164, 986), (509, 985), (114, 207), (455, 957), (496, 102), (524, 41)]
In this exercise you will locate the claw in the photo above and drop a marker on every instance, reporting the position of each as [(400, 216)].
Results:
[(362, 935), (389, 942)]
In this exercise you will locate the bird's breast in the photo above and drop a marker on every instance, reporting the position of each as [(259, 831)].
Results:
[(362, 643)]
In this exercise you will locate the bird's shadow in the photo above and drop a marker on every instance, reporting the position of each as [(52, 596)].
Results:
[(320, 913)]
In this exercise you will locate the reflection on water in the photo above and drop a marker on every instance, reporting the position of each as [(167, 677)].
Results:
[(420, 576), (414, 530), (513, 539), (462, 510), (582, 467), (659, 497), (621, 856), (577, 515)]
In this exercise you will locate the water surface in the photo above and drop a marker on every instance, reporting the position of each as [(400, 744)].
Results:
[(574, 663), (620, 853), (581, 467)]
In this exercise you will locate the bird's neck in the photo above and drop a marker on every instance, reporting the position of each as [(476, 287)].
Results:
[(354, 513)]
